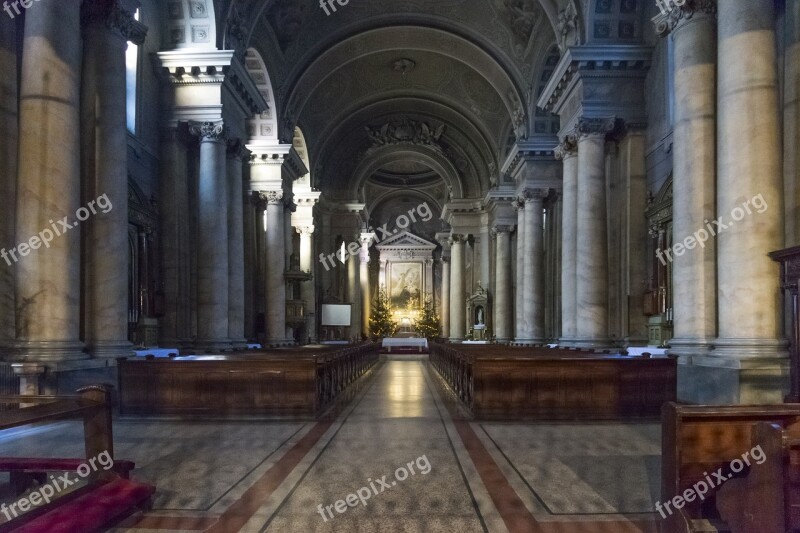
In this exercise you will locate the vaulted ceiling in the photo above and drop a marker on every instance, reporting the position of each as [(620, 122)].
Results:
[(406, 93)]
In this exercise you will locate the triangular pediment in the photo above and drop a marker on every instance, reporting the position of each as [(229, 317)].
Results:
[(406, 240)]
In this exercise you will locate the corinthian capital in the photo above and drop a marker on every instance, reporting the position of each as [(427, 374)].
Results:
[(271, 197), (209, 131), (568, 147), (681, 11), (595, 126), (116, 18)]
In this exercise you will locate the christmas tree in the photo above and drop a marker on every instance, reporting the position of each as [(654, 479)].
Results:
[(380, 321), (428, 324)]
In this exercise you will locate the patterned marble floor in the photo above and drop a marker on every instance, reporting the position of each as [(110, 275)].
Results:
[(401, 449)]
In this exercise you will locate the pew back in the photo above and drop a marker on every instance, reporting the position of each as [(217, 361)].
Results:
[(699, 440)]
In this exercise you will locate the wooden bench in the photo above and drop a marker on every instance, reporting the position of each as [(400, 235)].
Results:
[(543, 383), (298, 381), (25, 470), (768, 499), (701, 442), (96, 507), (104, 499)]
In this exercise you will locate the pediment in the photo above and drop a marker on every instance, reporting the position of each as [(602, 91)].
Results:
[(406, 241)]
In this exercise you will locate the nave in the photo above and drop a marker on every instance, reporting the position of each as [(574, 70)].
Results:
[(273, 476)]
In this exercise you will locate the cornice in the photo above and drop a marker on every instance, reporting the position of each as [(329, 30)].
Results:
[(535, 149), (598, 61), (186, 68)]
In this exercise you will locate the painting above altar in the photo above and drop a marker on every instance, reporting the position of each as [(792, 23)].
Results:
[(405, 285), (406, 273)]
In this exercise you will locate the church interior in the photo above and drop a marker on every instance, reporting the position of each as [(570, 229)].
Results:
[(400, 265)]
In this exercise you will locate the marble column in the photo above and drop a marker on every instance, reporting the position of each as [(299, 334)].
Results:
[(445, 310), (104, 144), (519, 286), (567, 152), (275, 290), (288, 242), (212, 238), (251, 220), (592, 235), (236, 255), (174, 237), (458, 289), (502, 291), (749, 188), (308, 291), (366, 293), (9, 125), (533, 271), (694, 163), (48, 279), (354, 290), (791, 124)]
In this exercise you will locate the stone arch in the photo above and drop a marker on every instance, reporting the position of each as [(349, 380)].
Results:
[(264, 126), (390, 154), (189, 24), (299, 144)]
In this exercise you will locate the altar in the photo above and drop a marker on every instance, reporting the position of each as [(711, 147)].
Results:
[(421, 345)]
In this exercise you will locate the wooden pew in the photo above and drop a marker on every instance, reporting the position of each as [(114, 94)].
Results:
[(767, 500), (698, 441), (550, 384), (299, 381), (106, 498)]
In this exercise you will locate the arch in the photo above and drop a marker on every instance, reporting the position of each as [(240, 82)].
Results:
[(265, 125), (389, 154), (189, 24), (307, 76)]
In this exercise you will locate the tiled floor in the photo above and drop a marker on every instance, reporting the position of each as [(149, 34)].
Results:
[(467, 476)]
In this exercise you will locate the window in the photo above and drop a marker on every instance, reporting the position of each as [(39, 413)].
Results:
[(131, 79)]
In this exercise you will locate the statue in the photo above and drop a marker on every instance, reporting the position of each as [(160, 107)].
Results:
[(480, 316)]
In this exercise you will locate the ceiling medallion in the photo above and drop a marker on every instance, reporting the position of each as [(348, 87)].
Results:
[(404, 66)]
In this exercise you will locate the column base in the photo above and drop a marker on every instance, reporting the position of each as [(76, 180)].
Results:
[(714, 380), (746, 348), (277, 343), (566, 342), (47, 351), (239, 344), (685, 348), (593, 344), (110, 349), (212, 345)]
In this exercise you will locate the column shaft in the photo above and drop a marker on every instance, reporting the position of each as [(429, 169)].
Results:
[(275, 291), (569, 242), (749, 172), (533, 295), (308, 292), (212, 236), (519, 301), (366, 293), (9, 125), (694, 203), (592, 239), (174, 233), (49, 279), (354, 293), (458, 308), (502, 298), (445, 309), (236, 245)]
